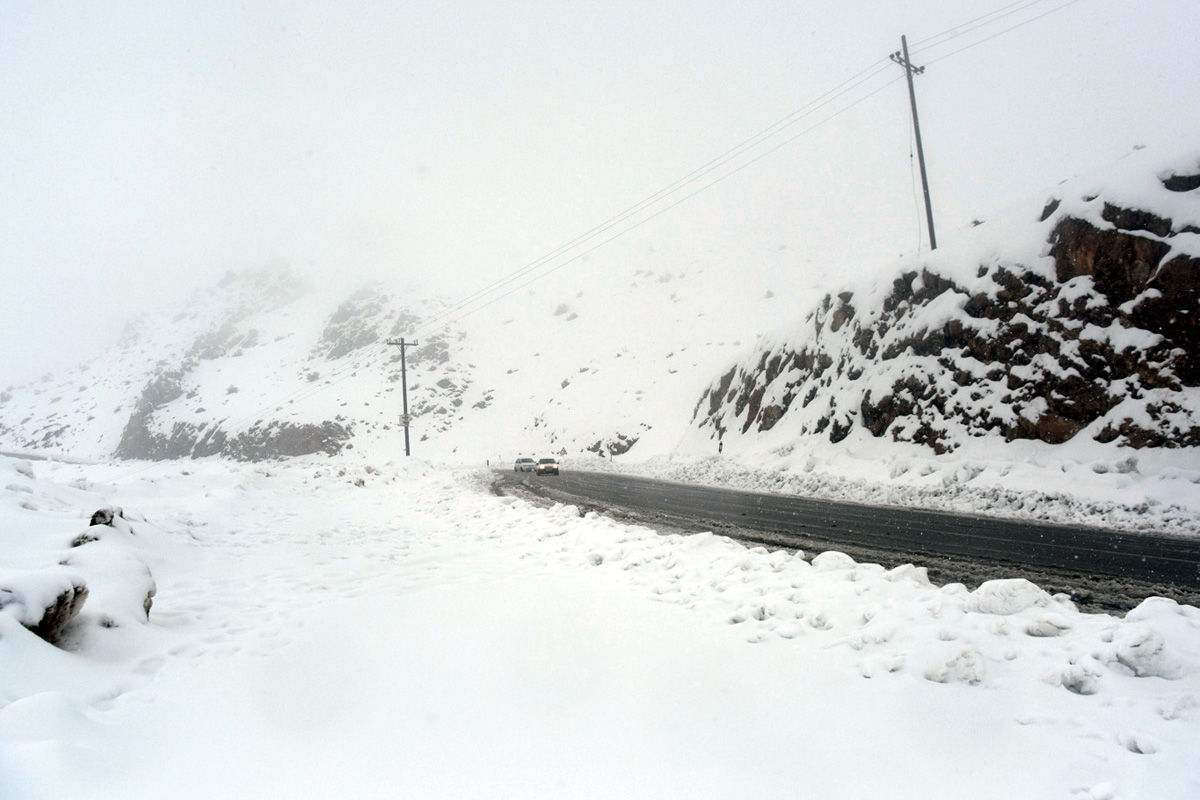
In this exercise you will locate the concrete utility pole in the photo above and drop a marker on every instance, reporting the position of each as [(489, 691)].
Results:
[(405, 418), (901, 58)]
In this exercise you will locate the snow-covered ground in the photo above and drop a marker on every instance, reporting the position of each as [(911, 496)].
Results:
[(416, 636)]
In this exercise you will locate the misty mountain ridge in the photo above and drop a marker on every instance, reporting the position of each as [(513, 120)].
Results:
[(1050, 323), (265, 365)]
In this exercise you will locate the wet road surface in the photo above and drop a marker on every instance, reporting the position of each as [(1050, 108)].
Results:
[(1106, 569)]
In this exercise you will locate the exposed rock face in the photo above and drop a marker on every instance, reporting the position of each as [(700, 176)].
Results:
[(44, 601), (154, 430), (141, 439), (58, 614), (1099, 336), (106, 515), (261, 442), (355, 324), (282, 439), (616, 446), (223, 341)]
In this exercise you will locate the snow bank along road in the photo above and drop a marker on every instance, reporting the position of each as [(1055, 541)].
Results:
[(1100, 567)]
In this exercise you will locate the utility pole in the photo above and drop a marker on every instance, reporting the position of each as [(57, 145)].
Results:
[(901, 58), (404, 419)]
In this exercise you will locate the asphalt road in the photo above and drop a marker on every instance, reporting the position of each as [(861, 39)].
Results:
[(1114, 569)]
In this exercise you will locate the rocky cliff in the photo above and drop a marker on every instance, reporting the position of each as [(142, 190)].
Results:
[(1080, 320)]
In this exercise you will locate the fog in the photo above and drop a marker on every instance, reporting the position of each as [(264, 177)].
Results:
[(149, 147)]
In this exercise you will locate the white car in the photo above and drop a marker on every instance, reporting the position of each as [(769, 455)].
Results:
[(547, 466), (524, 465)]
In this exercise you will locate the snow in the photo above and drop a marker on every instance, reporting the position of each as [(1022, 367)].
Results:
[(417, 636)]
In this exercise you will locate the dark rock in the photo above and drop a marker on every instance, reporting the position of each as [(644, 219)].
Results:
[(1119, 263), (220, 342), (50, 620), (137, 440), (1028, 358), (1051, 206), (284, 439), (261, 442), (618, 445), (106, 515), (770, 415), (1182, 183), (354, 325), (1131, 219), (88, 536), (1055, 429), (64, 609)]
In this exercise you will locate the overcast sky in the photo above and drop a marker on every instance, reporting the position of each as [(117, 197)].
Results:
[(149, 147)]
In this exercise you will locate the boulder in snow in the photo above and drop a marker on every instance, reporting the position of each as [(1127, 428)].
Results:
[(106, 515), (44, 601)]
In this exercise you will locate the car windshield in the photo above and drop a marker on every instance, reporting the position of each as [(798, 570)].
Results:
[(524, 460), (547, 461)]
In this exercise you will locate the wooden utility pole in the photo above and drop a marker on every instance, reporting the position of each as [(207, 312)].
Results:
[(405, 418), (901, 58)]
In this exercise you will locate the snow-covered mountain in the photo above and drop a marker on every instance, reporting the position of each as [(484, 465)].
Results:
[(588, 361), (1075, 318), (1070, 319)]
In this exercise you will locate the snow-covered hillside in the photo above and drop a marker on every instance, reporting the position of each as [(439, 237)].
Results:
[(586, 362), (1034, 365), (1075, 320)]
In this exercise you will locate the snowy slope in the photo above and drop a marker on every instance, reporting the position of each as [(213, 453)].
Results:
[(598, 356)]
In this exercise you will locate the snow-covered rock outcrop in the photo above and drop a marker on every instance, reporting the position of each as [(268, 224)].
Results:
[(42, 600), (1078, 320), (103, 567)]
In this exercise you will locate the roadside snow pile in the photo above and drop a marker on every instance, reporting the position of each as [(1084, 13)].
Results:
[(1079, 320), (1077, 483), (338, 630), (893, 621)]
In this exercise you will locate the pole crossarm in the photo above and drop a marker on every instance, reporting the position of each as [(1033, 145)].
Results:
[(899, 58)]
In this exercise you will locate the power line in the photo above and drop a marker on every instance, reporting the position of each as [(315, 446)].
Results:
[(695, 175), (1002, 32), (478, 300), (982, 21), (464, 308), (452, 312), (912, 172), (430, 327)]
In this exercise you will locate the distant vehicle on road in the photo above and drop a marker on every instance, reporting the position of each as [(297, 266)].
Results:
[(547, 466), (524, 465)]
